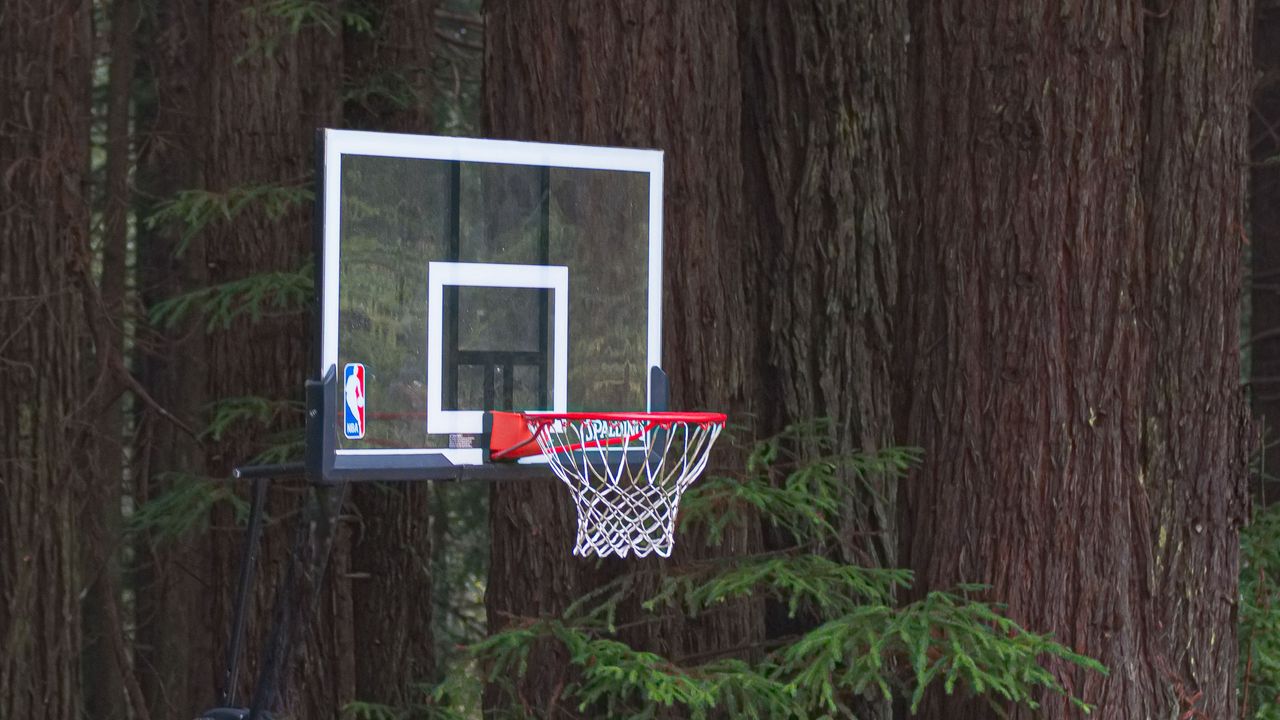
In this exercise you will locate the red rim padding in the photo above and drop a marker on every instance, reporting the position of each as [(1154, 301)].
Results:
[(658, 418), (511, 438)]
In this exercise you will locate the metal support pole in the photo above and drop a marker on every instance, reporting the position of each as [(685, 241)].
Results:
[(248, 561)]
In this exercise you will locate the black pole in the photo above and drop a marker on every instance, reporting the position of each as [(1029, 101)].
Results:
[(248, 560), (323, 511), (544, 301), (449, 312), (264, 688), (278, 471)]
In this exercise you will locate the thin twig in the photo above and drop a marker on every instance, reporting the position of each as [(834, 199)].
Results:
[(145, 396), (1265, 335), (108, 364)]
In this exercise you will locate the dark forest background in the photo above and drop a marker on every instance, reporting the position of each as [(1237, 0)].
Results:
[(989, 289)]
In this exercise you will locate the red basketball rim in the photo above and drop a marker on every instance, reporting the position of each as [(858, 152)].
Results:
[(538, 423), (649, 418)]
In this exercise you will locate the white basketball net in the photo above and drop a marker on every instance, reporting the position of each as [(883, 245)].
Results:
[(627, 474)]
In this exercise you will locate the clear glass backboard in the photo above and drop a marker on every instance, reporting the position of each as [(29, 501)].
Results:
[(459, 275)]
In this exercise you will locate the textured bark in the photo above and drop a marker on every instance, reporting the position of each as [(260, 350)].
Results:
[(1028, 364), (1070, 273), (104, 673), (45, 65), (176, 640), (1264, 190), (1196, 432), (269, 88), (649, 74), (823, 148), (238, 98), (391, 551), (393, 88), (822, 160), (391, 564)]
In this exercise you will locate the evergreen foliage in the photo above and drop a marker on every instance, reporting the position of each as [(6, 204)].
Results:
[(1260, 616), (253, 296), (239, 411), (195, 210), (862, 642), (184, 507), (393, 86), (296, 15)]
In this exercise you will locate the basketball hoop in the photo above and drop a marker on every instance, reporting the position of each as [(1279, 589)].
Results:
[(627, 471)]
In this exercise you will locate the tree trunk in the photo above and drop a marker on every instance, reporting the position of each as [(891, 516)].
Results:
[(105, 674), (822, 146), (269, 88), (1264, 190), (391, 550), (176, 642), (45, 263), (823, 82), (1069, 272), (666, 75), (394, 87), (238, 97), (1196, 432)]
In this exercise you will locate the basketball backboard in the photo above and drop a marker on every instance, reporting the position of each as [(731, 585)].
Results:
[(460, 275)]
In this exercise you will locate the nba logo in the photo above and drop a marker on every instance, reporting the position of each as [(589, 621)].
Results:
[(353, 401)]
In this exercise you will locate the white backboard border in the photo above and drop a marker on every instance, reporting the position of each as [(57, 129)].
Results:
[(340, 143), (492, 275)]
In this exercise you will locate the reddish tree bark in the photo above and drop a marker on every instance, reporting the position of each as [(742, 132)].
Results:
[(394, 86), (239, 95), (1196, 434), (821, 145), (104, 654), (175, 643), (660, 74), (1070, 288), (269, 88), (45, 264), (822, 157)]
